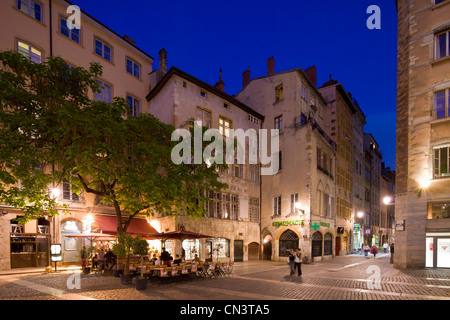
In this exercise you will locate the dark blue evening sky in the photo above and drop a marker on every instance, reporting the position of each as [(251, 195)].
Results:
[(203, 36)]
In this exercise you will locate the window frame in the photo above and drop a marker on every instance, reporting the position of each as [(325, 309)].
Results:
[(446, 107), (69, 36), (132, 111), (276, 209), (447, 44), (278, 123), (437, 162), (29, 2), (29, 54), (104, 44), (102, 82), (223, 127), (202, 116), (134, 64)]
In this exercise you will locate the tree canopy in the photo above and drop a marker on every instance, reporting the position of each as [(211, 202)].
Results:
[(51, 130)]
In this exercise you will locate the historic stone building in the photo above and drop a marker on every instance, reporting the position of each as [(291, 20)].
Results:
[(38, 30), (422, 234), (359, 120), (341, 120), (372, 175), (231, 216), (387, 210), (297, 202)]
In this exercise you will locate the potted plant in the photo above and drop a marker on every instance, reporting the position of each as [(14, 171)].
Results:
[(85, 253), (140, 248), (123, 248), (118, 252)]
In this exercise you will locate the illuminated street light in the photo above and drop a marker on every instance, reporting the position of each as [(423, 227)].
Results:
[(424, 183), (387, 200), (298, 206), (360, 214), (55, 193)]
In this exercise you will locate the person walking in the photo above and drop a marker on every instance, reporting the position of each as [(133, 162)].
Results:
[(385, 247), (298, 261), (366, 249), (374, 251), (291, 258), (392, 253)]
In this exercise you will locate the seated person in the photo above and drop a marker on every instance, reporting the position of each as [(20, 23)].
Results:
[(177, 260), (95, 261), (196, 258), (153, 259), (157, 261)]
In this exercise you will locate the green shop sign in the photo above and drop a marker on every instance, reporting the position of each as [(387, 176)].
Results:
[(287, 223), (316, 226)]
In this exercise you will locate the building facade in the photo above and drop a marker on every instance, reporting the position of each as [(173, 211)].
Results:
[(372, 175), (38, 30), (422, 200), (297, 201), (233, 215), (341, 120), (387, 194), (359, 120)]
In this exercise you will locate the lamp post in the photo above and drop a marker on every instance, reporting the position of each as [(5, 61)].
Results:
[(55, 248)]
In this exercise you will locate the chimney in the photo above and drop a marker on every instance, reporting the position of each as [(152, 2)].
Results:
[(220, 84), (129, 40), (311, 73), (246, 77), (270, 66), (163, 61)]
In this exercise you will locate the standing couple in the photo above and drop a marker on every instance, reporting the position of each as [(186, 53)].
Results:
[(295, 261)]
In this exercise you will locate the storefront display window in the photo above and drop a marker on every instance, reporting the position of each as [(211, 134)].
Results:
[(439, 210)]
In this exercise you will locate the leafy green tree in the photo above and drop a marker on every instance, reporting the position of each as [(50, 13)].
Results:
[(51, 130)]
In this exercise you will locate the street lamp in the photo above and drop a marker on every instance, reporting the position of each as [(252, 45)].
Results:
[(387, 200), (360, 214), (298, 206)]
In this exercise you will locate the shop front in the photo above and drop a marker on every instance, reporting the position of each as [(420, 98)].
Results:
[(30, 243), (437, 250)]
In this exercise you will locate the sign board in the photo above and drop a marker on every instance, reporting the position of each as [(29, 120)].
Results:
[(287, 223), (340, 230), (400, 225), (356, 227), (55, 250)]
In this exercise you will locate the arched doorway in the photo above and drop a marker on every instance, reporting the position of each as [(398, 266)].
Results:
[(70, 246), (267, 248), (316, 244), (288, 240), (328, 244), (253, 251)]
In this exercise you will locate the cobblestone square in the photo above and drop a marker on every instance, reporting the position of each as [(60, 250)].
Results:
[(341, 278)]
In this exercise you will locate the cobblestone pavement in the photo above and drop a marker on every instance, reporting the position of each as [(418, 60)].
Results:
[(341, 278)]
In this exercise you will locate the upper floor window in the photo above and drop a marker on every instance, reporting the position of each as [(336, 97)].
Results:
[(31, 8), (67, 193), (279, 93), (204, 117), (133, 68), (29, 51), (134, 106), (438, 1), (277, 206), (103, 50), (442, 162), (439, 210), (224, 126), (442, 104), (202, 94), (278, 123), (442, 44), (73, 34), (105, 94)]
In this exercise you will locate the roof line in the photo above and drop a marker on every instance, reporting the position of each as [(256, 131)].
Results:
[(109, 29), (204, 85)]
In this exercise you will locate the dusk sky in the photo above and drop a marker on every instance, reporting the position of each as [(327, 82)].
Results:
[(201, 37)]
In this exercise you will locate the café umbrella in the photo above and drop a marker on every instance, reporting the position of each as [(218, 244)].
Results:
[(176, 235)]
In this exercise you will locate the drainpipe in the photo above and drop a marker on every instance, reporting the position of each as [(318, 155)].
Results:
[(51, 27), (261, 250)]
